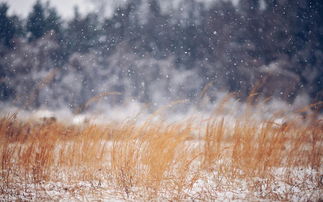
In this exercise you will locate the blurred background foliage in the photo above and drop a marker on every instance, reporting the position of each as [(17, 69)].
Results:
[(154, 53)]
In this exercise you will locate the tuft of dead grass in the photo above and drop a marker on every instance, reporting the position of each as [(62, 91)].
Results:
[(213, 159)]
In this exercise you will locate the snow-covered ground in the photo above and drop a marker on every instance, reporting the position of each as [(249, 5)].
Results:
[(303, 185)]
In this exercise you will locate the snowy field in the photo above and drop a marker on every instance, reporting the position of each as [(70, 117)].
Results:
[(211, 186), (195, 160)]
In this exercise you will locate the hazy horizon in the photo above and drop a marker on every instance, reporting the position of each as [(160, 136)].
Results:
[(65, 8)]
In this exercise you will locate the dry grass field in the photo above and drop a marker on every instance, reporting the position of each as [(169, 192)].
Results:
[(193, 160)]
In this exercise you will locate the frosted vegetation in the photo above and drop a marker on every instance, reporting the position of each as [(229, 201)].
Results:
[(191, 160)]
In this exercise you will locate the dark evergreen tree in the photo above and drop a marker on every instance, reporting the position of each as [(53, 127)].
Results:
[(36, 22), (53, 20), (8, 29), (82, 33), (7, 26), (42, 19), (123, 26)]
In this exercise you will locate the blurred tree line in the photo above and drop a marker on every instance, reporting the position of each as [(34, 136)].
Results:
[(274, 47)]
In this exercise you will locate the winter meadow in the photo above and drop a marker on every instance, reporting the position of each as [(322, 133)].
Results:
[(173, 100)]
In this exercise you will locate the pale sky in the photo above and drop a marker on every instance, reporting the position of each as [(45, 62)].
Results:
[(64, 7)]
